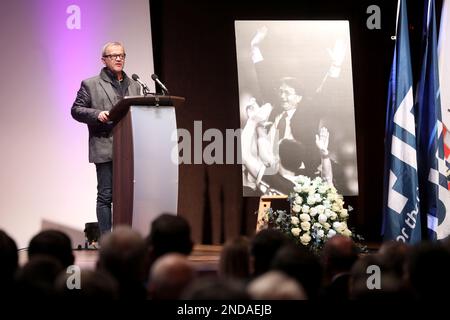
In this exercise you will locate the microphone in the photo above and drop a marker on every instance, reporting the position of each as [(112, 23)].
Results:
[(163, 87), (146, 90)]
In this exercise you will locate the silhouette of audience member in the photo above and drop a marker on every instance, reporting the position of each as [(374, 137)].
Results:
[(264, 247), (169, 276), (369, 281), (122, 254), (9, 263), (93, 285), (338, 256), (445, 242), (235, 259), (428, 269), (212, 288), (275, 285), (53, 243), (302, 265), (169, 233), (393, 256), (37, 278)]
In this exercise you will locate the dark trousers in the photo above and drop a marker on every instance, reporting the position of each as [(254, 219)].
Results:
[(104, 196)]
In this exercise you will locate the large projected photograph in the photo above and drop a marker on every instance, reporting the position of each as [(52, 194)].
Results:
[(296, 105)]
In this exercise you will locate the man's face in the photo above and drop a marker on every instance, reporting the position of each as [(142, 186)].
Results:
[(114, 58), (290, 99)]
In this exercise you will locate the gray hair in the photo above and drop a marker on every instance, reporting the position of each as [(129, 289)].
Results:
[(109, 44), (275, 285)]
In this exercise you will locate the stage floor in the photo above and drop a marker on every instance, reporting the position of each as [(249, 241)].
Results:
[(205, 258)]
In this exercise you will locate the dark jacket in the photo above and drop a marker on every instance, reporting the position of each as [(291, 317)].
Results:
[(95, 95)]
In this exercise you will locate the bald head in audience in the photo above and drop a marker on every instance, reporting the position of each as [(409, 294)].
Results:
[(169, 276), (276, 285)]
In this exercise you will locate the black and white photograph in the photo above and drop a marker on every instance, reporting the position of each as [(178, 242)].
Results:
[(296, 104)]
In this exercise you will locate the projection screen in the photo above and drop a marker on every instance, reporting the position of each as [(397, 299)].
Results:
[(296, 104)]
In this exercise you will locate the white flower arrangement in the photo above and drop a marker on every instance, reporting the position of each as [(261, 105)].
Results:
[(317, 214)]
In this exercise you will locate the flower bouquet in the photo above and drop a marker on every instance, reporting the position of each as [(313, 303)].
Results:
[(317, 214)]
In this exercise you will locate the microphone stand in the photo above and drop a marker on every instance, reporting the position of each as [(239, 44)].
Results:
[(146, 91)]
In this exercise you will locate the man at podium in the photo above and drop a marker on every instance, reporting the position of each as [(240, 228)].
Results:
[(95, 98)]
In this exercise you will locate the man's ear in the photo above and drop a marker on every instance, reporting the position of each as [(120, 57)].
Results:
[(103, 61)]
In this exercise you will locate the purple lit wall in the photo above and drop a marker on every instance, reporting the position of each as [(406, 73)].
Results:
[(48, 47)]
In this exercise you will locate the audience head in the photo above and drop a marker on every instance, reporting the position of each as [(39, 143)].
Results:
[(169, 276), (338, 255), (169, 233), (9, 259), (302, 265), (427, 270), (393, 256), (264, 246), (445, 242), (235, 259), (274, 285), (37, 278), (122, 254), (212, 288), (370, 282), (93, 284), (53, 243)]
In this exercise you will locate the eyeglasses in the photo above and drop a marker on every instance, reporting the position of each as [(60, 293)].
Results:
[(115, 56)]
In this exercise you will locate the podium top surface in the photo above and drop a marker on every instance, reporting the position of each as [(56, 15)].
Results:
[(121, 108)]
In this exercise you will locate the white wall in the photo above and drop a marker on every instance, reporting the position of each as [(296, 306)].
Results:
[(45, 177)]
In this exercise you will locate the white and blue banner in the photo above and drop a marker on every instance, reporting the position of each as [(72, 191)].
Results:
[(401, 199), (444, 85), (444, 62), (432, 165)]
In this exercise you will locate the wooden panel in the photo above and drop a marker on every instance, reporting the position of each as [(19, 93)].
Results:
[(123, 172)]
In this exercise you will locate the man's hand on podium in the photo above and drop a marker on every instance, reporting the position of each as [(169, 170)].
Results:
[(103, 116)]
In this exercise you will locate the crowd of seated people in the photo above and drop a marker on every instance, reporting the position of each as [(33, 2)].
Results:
[(267, 266)]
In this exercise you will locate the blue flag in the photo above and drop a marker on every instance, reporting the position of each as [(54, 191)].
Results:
[(401, 198), (432, 167)]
